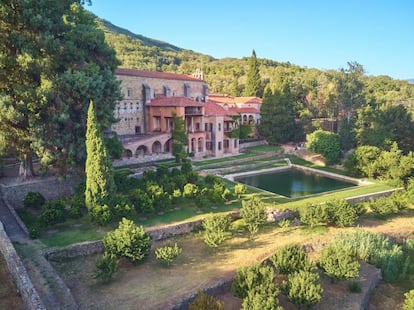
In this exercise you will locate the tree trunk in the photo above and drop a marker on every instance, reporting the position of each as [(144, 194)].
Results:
[(26, 166)]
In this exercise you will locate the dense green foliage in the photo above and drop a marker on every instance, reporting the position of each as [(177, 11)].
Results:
[(34, 200), (167, 253), (247, 278), (378, 250), (180, 139), (128, 241), (290, 258), (262, 297), (388, 165), (253, 212), (53, 212), (100, 185), (205, 302), (54, 60), (325, 143), (216, 229), (339, 262), (106, 266), (408, 301), (303, 288), (253, 83)]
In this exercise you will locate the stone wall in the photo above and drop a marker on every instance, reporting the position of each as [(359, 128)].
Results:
[(22, 280), (50, 188), (243, 146), (368, 197)]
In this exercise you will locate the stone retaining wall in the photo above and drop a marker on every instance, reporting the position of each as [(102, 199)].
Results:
[(22, 280), (243, 146), (50, 188), (368, 197)]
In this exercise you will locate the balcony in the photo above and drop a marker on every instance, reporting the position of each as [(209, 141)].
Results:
[(193, 111)]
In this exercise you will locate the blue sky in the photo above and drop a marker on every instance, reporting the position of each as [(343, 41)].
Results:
[(321, 34)]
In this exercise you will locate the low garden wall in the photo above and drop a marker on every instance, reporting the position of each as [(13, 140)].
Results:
[(22, 280), (50, 188)]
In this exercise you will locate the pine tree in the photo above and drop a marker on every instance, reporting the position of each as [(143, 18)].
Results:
[(253, 84), (100, 185)]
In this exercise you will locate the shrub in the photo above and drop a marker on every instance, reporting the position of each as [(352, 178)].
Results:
[(239, 189), (76, 203), (284, 223), (34, 200), (262, 298), (52, 213), (325, 143), (142, 201), (247, 278), (215, 228), (204, 301), (34, 232), (314, 215), (190, 190), (303, 288), (168, 253), (106, 266), (338, 262), (128, 240), (378, 250), (100, 215), (409, 300), (290, 258), (341, 213), (253, 212)]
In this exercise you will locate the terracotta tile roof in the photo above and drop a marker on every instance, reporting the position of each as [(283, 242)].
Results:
[(174, 102), (212, 108), (248, 110), (156, 74), (221, 98), (256, 100)]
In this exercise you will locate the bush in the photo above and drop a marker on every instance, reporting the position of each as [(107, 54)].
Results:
[(168, 253), (106, 266), (52, 213), (76, 203), (303, 288), (314, 215), (409, 300), (290, 258), (253, 212), (262, 298), (338, 262), (34, 200), (239, 189), (325, 143), (247, 278), (34, 232), (128, 240), (100, 215), (215, 228), (377, 250), (142, 201), (206, 302), (341, 213)]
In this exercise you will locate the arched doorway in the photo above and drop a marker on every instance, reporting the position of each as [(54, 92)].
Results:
[(156, 147)]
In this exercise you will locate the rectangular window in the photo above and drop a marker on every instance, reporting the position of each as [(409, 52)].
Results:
[(219, 146), (157, 123), (147, 93), (129, 92), (187, 92), (226, 144), (167, 91)]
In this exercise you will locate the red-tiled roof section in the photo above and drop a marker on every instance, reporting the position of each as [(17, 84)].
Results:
[(174, 102), (248, 100), (248, 110), (156, 74), (212, 108)]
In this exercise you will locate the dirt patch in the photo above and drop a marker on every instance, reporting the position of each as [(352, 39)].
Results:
[(9, 297)]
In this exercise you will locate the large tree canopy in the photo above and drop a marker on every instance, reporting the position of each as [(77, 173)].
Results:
[(53, 61)]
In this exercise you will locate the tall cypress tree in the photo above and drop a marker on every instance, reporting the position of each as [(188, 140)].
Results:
[(100, 185), (253, 83)]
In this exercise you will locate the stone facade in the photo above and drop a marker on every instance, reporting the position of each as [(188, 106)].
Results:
[(140, 87), (151, 99)]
